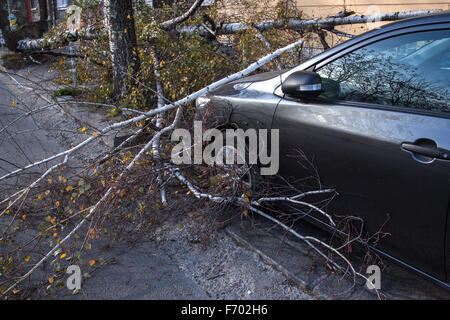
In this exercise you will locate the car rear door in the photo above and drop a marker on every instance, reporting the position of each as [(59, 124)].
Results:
[(379, 134)]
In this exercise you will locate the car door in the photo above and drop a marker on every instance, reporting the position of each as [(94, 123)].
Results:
[(379, 133)]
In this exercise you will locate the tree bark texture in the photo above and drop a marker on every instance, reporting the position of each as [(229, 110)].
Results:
[(43, 13), (122, 43)]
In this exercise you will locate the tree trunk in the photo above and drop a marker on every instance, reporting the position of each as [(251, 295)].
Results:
[(122, 43), (49, 13), (55, 11), (43, 14), (4, 20)]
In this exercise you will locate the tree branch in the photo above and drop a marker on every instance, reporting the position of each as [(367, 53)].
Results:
[(295, 24), (170, 24)]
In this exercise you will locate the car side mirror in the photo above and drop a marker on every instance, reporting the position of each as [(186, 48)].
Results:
[(302, 84)]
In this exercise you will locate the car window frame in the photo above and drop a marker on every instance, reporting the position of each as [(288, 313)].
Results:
[(380, 37)]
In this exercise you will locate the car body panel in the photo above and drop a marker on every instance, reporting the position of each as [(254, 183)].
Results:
[(366, 139), (348, 143), (447, 244)]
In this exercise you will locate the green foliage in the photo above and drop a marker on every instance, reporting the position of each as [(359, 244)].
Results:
[(186, 62), (67, 91), (13, 61), (17, 60)]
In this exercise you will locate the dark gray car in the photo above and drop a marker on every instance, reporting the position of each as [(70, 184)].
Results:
[(374, 114)]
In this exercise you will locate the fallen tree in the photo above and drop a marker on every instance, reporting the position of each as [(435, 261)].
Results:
[(307, 25), (16, 200), (175, 69)]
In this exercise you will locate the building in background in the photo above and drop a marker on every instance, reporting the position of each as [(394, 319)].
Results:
[(19, 12), (243, 10), (26, 11), (323, 8)]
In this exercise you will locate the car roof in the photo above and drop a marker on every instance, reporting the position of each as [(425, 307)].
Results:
[(437, 17)]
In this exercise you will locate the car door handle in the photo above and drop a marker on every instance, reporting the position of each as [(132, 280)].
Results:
[(428, 151)]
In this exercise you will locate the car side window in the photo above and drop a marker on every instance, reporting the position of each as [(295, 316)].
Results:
[(411, 70)]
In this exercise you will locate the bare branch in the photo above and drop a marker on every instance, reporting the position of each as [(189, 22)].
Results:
[(341, 34), (237, 27), (170, 24), (266, 42)]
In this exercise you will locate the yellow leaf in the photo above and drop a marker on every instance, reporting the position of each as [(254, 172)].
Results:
[(27, 258), (63, 256), (24, 217), (91, 263), (50, 280), (13, 103), (55, 235), (69, 188)]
